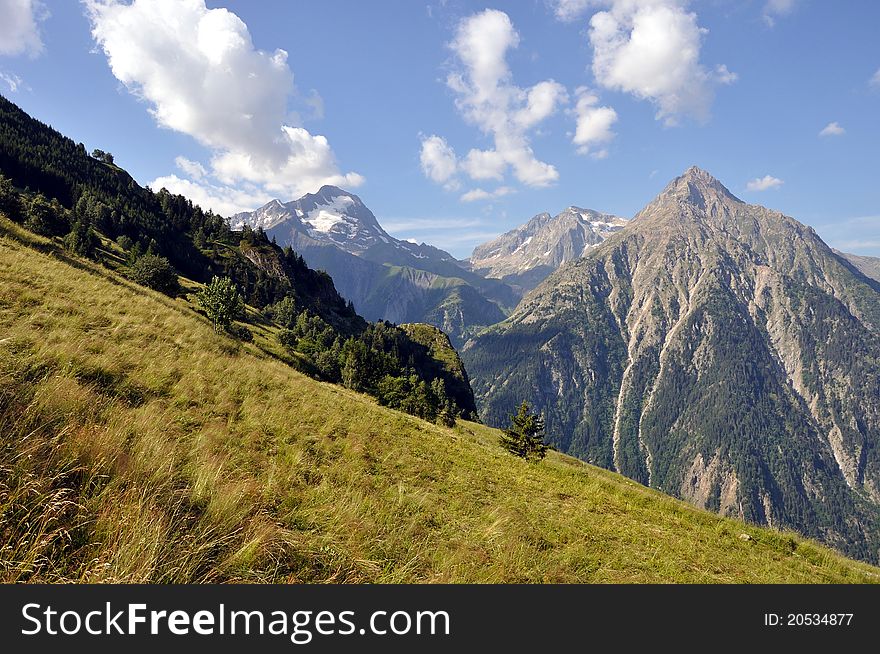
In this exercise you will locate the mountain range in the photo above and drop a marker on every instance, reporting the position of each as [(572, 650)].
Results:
[(400, 281), (715, 350), (386, 278)]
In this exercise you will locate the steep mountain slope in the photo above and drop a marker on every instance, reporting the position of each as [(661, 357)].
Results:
[(384, 277), (136, 445), (95, 209), (868, 266), (716, 350), (523, 257)]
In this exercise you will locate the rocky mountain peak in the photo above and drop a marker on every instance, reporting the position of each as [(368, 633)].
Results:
[(526, 255), (699, 188), (693, 196)]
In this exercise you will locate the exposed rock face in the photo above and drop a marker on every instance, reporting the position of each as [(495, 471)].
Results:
[(526, 255), (714, 350), (264, 259)]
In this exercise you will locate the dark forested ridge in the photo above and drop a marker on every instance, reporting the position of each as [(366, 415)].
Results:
[(55, 188), (714, 350)]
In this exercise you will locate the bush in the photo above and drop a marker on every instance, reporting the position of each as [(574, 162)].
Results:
[(125, 242), (287, 337), (81, 240), (155, 272), (284, 312), (240, 332), (44, 217), (221, 302), (10, 202)]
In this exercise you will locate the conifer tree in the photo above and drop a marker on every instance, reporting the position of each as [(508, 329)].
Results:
[(525, 436)]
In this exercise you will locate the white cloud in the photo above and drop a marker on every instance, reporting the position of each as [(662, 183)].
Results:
[(488, 98), (593, 124), (875, 80), (832, 129), (315, 102), (484, 164), (193, 169), (764, 183), (200, 73), (725, 76), (19, 29), (651, 49), (542, 100), (570, 10), (480, 194), (437, 158), (11, 80), (224, 200), (776, 9)]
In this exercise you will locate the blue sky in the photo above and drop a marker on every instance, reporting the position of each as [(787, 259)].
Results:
[(456, 121)]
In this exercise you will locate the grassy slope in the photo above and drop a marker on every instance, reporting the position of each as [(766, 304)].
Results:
[(137, 445)]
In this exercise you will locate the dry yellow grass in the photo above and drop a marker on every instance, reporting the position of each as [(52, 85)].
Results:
[(138, 446)]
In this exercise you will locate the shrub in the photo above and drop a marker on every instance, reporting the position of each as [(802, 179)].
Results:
[(81, 240), (10, 201), (125, 242), (240, 332), (221, 302), (44, 217), (287, 337), (155, 272)]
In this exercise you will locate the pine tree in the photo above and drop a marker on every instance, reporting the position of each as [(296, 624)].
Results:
[(525, 436)]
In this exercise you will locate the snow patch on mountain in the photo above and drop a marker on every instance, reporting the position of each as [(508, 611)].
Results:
[(325, 217)]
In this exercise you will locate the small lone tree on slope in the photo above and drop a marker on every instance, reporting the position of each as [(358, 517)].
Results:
[(525, 436), (221, 301)]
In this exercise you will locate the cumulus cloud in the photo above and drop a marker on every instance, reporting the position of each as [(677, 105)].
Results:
[(480, 194), (437, 159), (593, 124), (224, 200), (487, 98), (777, 9), (764, 183), (651, 49), (832, 129), (199, 72), (19, 29)]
